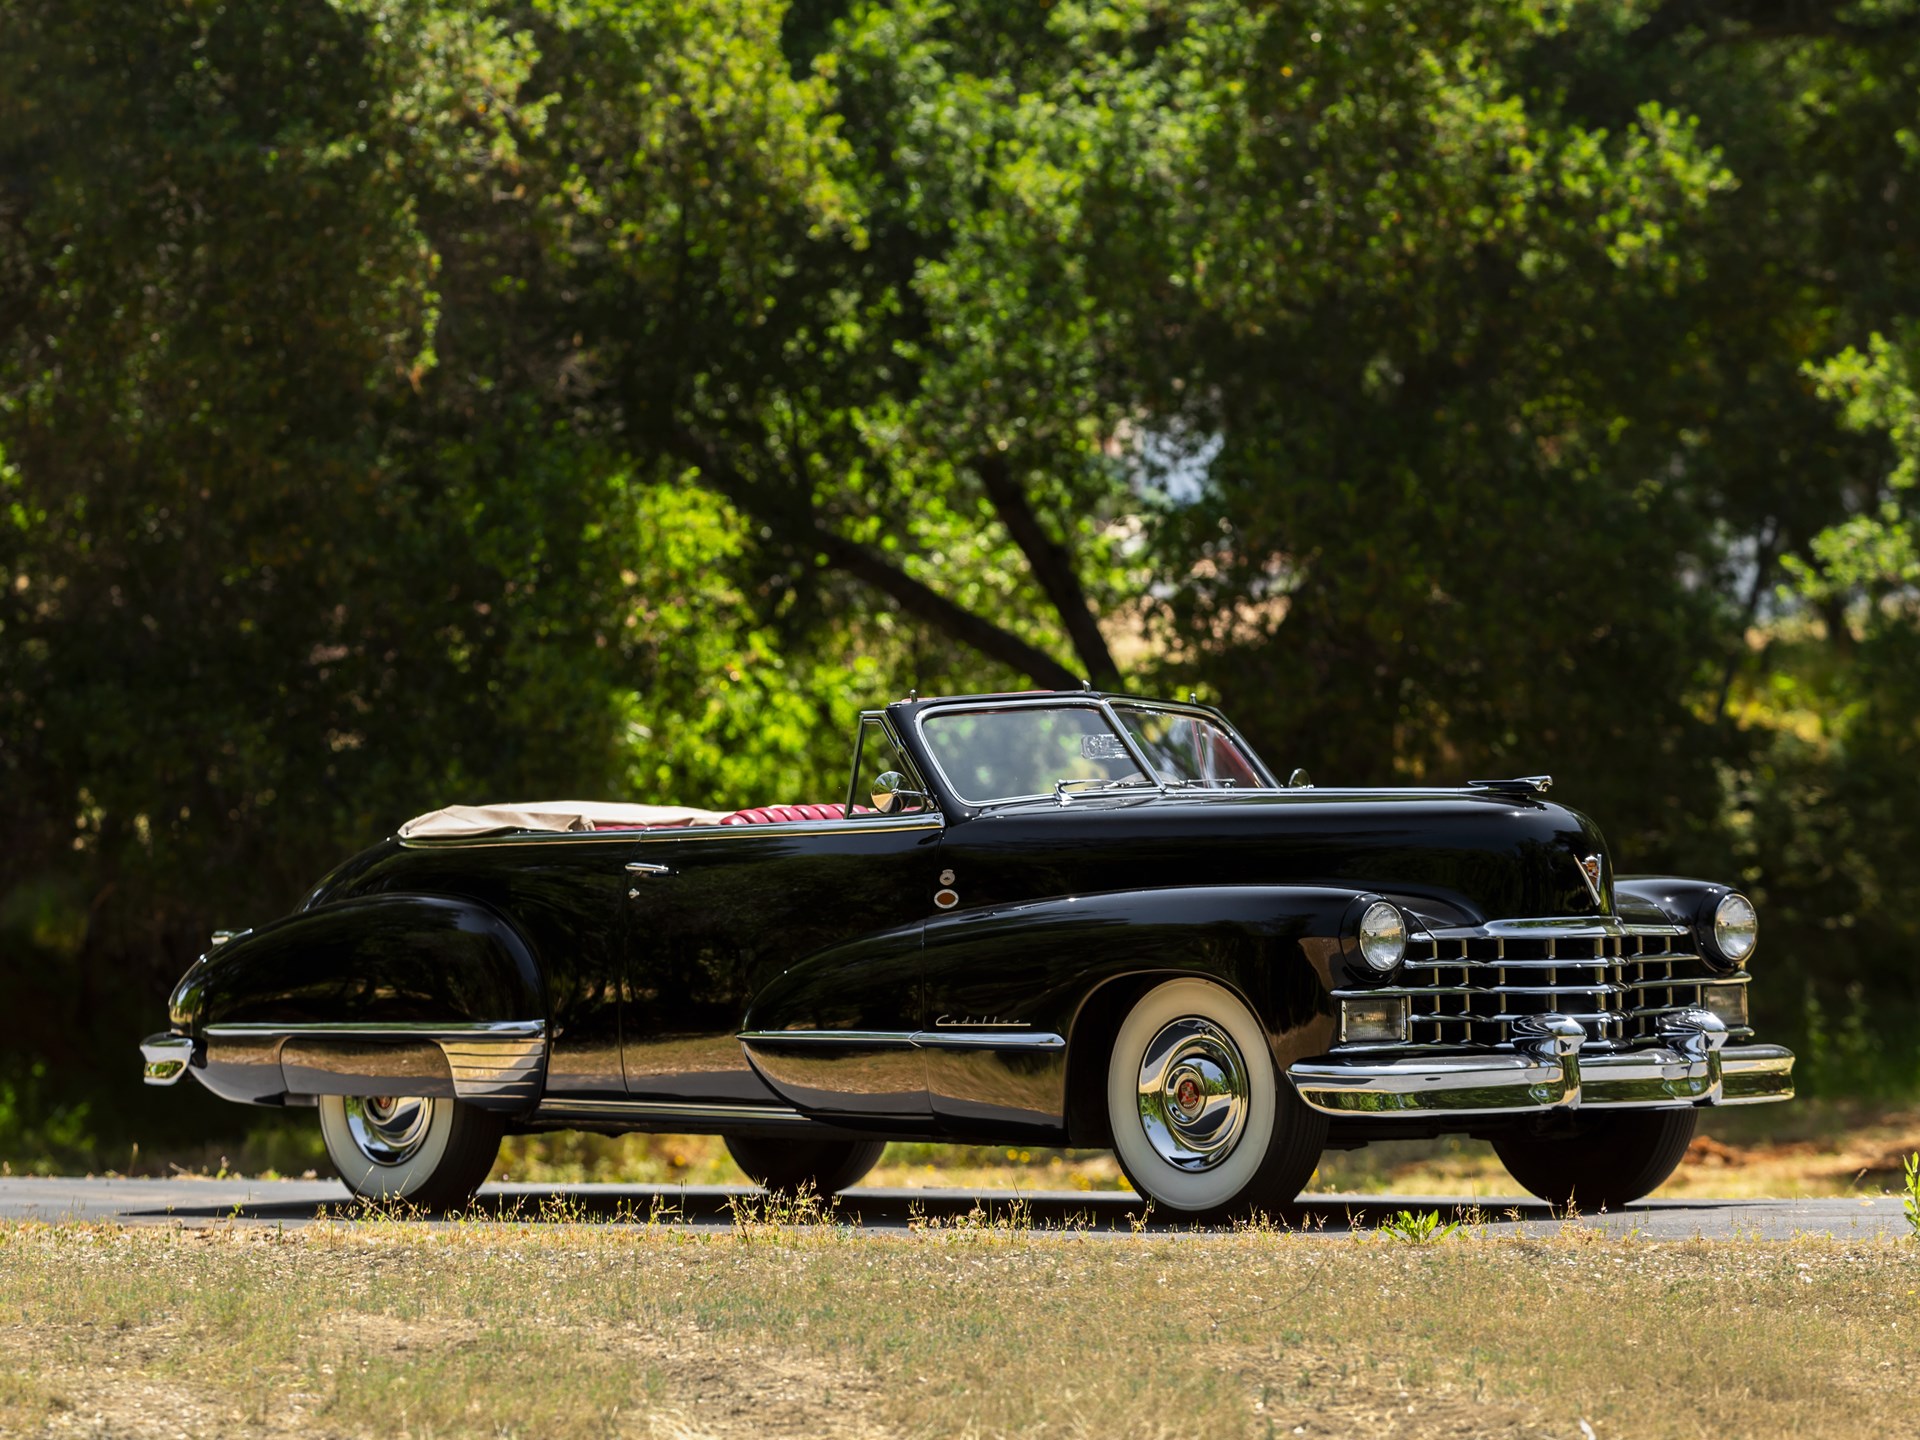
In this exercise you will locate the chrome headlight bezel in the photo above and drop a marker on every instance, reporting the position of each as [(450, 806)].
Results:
[(1383, 937), (1733, 930)]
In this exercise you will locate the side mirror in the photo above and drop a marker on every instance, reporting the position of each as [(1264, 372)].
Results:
[(891, 794)]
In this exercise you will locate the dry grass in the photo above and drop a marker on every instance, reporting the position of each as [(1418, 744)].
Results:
[(1801, 1150), (969, 1330)]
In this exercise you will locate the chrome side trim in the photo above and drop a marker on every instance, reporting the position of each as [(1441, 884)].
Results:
[(166, 1057), (856, 825), (379, 1029), (520, 837), (496, 1062), (587, 1109), (859, 825), (904, 1039)]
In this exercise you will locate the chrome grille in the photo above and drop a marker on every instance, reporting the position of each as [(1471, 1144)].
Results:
[(1465, 988)]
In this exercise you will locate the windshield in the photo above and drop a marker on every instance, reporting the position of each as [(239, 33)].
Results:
[(1027, 750), (1187, 749), (1008, 752)]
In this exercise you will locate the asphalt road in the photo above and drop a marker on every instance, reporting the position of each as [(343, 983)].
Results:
[(301, 1202)]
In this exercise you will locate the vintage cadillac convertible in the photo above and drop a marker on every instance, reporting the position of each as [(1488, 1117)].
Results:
[(1063, 919)]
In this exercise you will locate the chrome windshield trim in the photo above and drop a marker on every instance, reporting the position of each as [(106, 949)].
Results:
[(1105, 705)]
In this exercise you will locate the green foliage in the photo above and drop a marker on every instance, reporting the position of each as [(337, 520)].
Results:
[(1422, 1227), (416, 401), (39, 1125), (1910, 1170)]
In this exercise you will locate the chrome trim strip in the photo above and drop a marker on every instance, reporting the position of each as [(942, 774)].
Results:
[(375, 1030), (906, 1039), (847, 1039), (166, 1057), (860, 824), (520, 837), (988, 1040), (1405, 991), (667, 1110), (680, 832)]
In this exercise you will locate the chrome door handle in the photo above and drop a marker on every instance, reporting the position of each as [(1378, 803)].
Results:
[(641, 867)]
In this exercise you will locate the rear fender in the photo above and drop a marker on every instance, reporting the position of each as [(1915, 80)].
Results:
[(391, 994)]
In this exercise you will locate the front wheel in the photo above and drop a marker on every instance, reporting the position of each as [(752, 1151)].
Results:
[(828, 1166), (1606, 1161), (428, 1151), (1203, 1124)]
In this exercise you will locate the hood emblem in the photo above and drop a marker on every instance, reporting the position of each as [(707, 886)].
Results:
[(1590, 871)]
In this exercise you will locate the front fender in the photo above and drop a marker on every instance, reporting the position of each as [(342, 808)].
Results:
[(407, 994), (1670, 899), (1070, 966)]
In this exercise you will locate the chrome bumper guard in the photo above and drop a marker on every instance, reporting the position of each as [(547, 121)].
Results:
[(1546, 1071), (167, 1056)]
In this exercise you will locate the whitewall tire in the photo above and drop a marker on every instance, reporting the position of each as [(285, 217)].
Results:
[(427, 1151), (1203, 1123)]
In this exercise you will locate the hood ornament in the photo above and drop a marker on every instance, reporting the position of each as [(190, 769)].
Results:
[(1526, 786), (1591, 869)]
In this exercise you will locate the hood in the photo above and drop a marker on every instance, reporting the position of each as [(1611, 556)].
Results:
[(1453, 857)]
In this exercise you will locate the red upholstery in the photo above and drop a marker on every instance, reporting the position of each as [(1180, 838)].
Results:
[(786, 814)]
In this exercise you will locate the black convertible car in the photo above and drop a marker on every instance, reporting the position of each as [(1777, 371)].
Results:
[(1048, 918)]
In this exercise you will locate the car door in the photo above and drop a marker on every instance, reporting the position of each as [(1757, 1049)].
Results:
[(803, 937)]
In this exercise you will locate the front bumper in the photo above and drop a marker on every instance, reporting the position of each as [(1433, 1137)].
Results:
[(1549, 1072)]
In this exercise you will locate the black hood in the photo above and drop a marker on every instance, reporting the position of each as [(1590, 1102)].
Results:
[(1454, 857)]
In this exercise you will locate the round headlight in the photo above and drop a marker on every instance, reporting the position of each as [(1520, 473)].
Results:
[(1736, 928), (1383, 936)]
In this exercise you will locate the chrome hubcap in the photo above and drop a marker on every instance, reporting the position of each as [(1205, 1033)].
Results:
[(389, 1131), (1193, 1094)]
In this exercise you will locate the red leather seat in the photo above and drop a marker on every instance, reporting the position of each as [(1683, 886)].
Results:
[(787, 814)]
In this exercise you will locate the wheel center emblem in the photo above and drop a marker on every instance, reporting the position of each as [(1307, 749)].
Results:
[(1188, 1094)]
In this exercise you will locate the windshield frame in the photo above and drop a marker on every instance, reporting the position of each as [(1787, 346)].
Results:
[(1104, 704)]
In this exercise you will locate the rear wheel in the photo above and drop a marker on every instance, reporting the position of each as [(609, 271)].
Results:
[(1203, 1123), (428, 1151), (828, 1166), (1606, 1161)]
